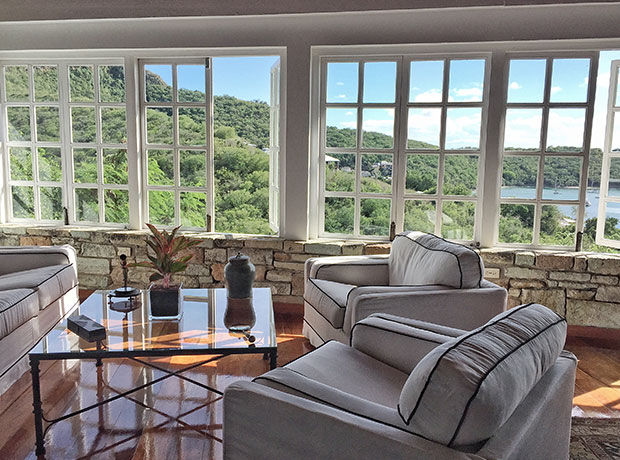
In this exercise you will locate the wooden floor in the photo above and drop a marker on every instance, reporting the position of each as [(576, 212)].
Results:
[(186, 422)]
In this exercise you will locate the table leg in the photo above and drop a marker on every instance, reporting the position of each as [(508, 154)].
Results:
[(36, 404), (273, 359), (99, 362)]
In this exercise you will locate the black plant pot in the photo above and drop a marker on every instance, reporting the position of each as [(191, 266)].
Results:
[(165, 303)]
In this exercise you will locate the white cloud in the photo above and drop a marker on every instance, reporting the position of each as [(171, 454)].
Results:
[(432, 95), (423, 125), (584, 83), (380, 126), (565, 129), (463, 131), (465, 95), (342, 96), (522, 130), (555, 89), (339, 83), (349, 113), (515, 85)]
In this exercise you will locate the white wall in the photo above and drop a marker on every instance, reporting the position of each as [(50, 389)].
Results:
[(298, 33)]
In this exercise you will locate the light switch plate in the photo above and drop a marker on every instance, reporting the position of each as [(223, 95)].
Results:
[(491, 273)]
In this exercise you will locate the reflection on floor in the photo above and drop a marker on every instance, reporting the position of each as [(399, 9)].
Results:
[(186, 420)]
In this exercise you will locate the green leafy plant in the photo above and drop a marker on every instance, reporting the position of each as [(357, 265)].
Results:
[(169, 255)]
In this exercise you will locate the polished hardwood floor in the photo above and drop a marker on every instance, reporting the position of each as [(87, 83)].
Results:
[(186, 420)]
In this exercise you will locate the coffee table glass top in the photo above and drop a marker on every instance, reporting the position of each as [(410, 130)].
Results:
[(201, 327)]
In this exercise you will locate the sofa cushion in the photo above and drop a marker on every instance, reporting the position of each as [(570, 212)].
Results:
[(463, 391), (418, 258), (328, 298), (49, 282), (16, 307)]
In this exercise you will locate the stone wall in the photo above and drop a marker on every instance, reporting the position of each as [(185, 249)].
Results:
[(583, 287)]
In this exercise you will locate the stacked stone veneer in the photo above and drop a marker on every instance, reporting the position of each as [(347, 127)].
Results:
[(583, 287)]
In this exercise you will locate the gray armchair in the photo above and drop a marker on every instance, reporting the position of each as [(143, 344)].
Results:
[(424, 277), (510, 393)]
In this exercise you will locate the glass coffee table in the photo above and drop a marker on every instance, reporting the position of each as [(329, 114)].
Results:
[(201, 330)]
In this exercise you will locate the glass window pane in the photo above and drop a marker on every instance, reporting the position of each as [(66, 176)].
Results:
[(83, 127), (618, 90), (111, 83), (466, 80), (51, 203), (82, 82), (158, 83), (457, 220), (516, 223), (193, 209), (50, 164), (463, 128), (561, 178), (115, 167), (45, 83), (378, 128), (426, 81), (191, 83), (16, 83), (48, 124), (18, 119), (420, 216), (161, 167), (341, 127), (569, 80), (116, 206), (612, 221), (565, 131), (85, 166), (557, 225), (424, 127), (23, 202), (519, 176), (523, 128), (342, 80), (526, 81), (375, 216), (113, 126), (379, 81), (20, 159), (161, 207), (460, 175), (193, 168), (339, 214), (376, 173), (614, 177), (340, 172), (615, 135), (159, 125), (86, 205), (422, 172), (192, 126)]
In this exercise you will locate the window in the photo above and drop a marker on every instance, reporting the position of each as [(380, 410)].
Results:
[(548, 118), (401, 145), (65, 142)]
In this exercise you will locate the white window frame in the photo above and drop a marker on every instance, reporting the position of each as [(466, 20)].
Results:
[(176, 147), (399, 152), (274, 147), (613, 112), (542, 153)]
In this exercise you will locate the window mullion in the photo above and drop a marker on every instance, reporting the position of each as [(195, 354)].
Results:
[(210, 164), (65, 139), (399, 161), (358, 155)]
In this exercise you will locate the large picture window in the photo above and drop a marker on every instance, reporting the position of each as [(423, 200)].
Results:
[(546, 144), (401, 145)]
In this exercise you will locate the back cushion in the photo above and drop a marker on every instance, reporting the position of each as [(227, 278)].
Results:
[(463, 391), (421, 258)]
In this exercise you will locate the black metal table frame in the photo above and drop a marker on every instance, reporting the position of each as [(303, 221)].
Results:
[(270, 353)]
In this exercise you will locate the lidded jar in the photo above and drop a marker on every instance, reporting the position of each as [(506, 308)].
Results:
[(239, 275)]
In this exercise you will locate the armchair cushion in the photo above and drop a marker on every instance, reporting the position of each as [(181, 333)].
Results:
[(328, 298), (420, 258), (16, 307), (464, 390)]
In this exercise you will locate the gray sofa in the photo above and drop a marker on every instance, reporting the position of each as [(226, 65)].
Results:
[(38, 286), (424, 277), (406, 389)]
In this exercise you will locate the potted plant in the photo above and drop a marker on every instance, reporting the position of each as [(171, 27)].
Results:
[(169, 258)]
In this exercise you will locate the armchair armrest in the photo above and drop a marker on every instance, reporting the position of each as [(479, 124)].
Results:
[(399, 342), (14, 259), (460, 308), (357, 270), (301, 429)]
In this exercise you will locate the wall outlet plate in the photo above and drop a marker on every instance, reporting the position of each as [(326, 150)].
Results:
[(491, 273)]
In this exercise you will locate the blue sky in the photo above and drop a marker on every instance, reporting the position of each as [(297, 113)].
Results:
[(246, 78)]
